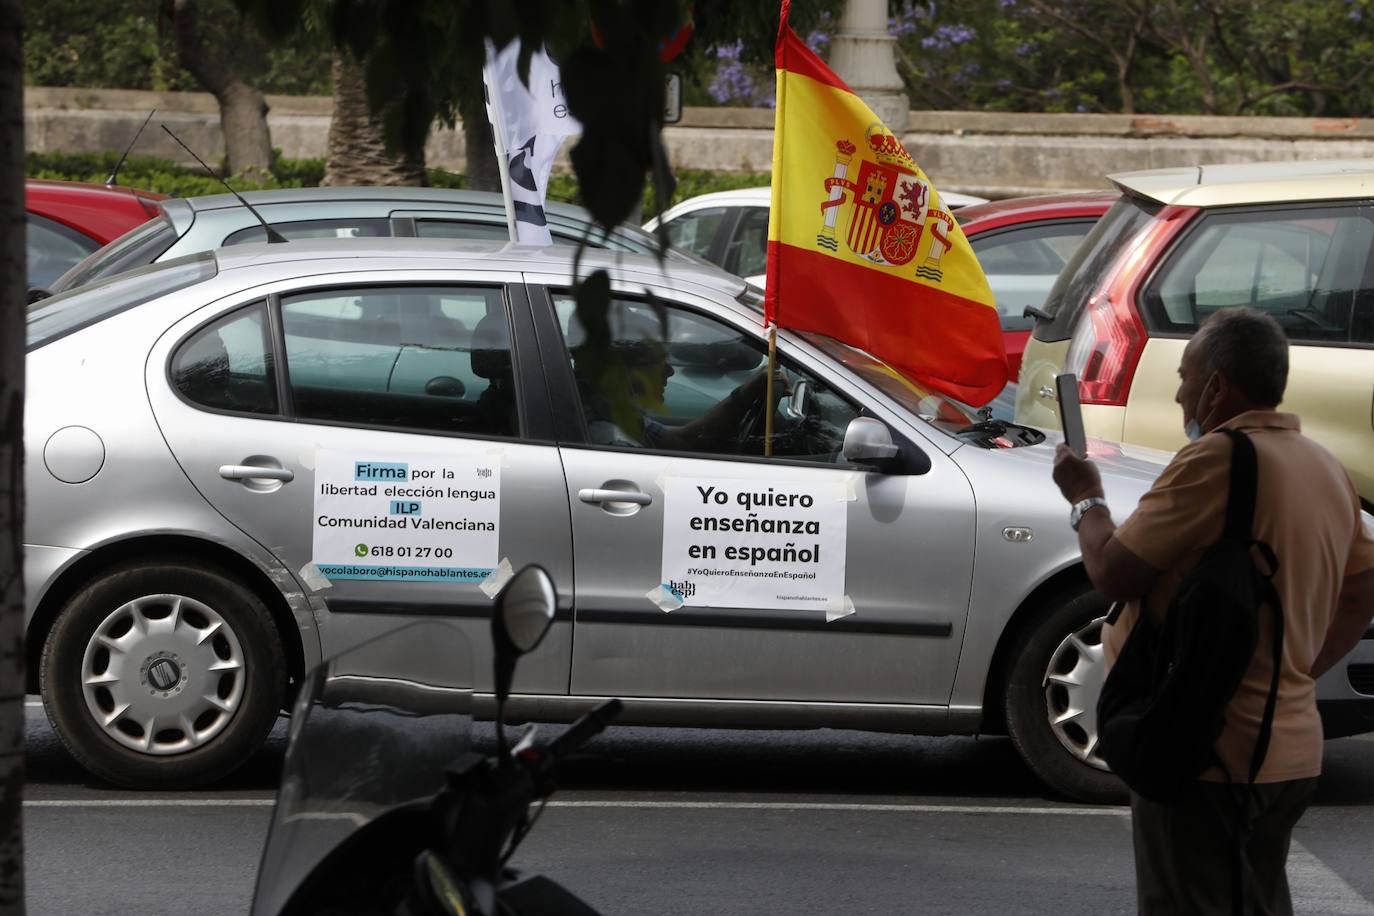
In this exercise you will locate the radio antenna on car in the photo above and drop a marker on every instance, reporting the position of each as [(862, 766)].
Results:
[(273, 235), (114, 173)]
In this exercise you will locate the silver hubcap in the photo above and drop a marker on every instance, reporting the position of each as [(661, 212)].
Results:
[(1073, 682), (163, 674)]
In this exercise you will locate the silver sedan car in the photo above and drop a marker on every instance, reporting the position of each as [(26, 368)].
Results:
[(190, 225), (242, 461)]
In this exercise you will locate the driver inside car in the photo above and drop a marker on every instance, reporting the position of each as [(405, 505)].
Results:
[(623, 384)]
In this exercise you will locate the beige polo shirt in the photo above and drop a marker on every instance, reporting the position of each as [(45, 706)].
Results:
[(1309, 512)]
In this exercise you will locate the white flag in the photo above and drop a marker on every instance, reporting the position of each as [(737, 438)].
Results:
[(529, 124)]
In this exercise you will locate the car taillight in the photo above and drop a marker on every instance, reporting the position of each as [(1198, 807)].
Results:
[(1106, 347), (1110, 337)]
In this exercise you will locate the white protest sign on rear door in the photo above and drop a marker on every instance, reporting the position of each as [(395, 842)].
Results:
[(406, 517)]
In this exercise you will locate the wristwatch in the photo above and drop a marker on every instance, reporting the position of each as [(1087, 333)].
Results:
[(1081, 507)]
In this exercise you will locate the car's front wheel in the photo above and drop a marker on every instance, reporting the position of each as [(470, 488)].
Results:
[(1051, 698), (162, 675)]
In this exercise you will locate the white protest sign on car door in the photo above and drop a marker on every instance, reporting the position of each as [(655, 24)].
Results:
[(751, 544), (424, 518)]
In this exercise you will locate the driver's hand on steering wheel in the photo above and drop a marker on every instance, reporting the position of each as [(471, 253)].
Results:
[(755, 388)]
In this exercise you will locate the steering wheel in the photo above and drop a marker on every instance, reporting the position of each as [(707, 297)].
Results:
[(751, 425)]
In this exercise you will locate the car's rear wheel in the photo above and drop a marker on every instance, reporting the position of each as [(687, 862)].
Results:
[(1051, 698), (163, 675)]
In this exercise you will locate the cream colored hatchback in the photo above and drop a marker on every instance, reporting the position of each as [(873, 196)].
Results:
[(1292, 238)]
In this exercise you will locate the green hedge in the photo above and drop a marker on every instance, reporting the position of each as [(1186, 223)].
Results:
[(150, 173)]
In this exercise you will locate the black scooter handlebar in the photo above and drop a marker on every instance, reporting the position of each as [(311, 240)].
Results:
[(583, 730)]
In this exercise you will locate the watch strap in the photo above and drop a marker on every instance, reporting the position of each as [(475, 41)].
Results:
[(1081, 507)]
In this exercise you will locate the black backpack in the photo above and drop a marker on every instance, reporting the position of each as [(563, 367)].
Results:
[(1163, 705)]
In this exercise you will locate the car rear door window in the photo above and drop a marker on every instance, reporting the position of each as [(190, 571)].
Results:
[(1022, 263), (227, 365), (1307, 267), (673, 379), (360, 228), (696, 231), (434, 358), (464, 229)]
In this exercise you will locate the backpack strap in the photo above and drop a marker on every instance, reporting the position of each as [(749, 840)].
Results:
[(1240, 501), (1271, 598), (1240, 525)]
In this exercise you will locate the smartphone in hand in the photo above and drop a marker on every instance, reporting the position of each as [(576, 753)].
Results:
[(1071, 413)]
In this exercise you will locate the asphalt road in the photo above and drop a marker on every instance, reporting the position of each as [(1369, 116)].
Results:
[(692, 821)]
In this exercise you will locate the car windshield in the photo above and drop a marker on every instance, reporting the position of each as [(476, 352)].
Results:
[(139, 246), (945, 413), (1098, 251), (65, 313)]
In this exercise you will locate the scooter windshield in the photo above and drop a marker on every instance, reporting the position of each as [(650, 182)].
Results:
[(373, 729)]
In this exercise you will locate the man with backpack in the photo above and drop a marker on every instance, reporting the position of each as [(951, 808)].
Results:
[(1217, 842)]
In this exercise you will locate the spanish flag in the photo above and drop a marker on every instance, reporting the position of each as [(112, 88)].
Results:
[(860, 247)]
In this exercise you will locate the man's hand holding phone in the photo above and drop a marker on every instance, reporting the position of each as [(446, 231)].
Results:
[(1076, 477), (1071, 413)]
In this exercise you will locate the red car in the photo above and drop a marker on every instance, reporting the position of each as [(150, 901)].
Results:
[(1023, 243), (68, 220)]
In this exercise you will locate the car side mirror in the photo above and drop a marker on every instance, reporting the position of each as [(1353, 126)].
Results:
[(523, 614), (868, 442)]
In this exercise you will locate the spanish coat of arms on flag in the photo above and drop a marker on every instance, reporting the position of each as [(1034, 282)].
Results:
[(860, 246)]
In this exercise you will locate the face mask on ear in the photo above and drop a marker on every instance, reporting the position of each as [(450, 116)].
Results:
[(1193, 429)]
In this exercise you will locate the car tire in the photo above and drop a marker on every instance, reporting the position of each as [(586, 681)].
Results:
[(1051, 698), (162, 675)]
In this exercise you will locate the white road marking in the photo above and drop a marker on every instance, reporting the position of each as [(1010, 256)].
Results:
[(149, 803), (1317, 889), (846, 806), (615, 803)]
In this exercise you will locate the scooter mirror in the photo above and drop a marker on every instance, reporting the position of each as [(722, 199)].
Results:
[(524, 609)]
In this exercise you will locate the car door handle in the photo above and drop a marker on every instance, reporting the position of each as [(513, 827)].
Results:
[(248, 472), (594, 496)]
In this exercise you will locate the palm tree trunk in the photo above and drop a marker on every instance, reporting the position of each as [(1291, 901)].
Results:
[(357, 145), (12, 259)]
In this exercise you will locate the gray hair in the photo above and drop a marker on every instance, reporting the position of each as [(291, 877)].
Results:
[(1248, 347)]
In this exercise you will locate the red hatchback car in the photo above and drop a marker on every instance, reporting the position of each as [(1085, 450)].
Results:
[(1022, 244), (68, 220)]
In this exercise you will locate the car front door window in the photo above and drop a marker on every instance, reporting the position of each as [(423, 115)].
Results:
[(747, 255), (673, 379), (696, 231)]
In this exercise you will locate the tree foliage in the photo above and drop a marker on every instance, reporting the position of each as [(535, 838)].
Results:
[(1256, 57), (99, 44)]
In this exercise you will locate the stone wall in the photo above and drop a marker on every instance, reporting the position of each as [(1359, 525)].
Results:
[(991, 153)]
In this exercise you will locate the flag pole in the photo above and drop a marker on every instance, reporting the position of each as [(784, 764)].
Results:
[(499, 141), (769, 408)]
